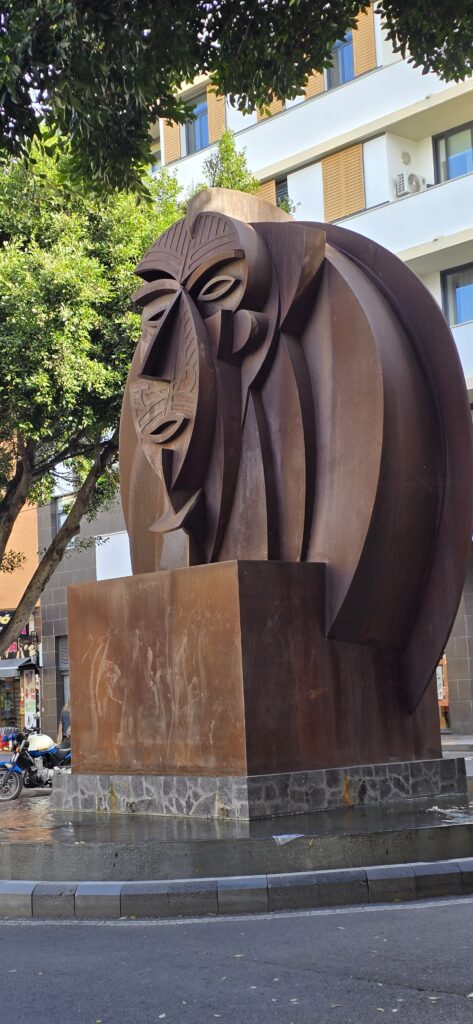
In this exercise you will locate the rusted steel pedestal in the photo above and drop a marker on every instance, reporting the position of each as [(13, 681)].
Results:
[(224, 670)]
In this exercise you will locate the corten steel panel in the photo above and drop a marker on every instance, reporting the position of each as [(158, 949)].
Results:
[(224, 670), (156, 681), (437, 356), (312, 702)]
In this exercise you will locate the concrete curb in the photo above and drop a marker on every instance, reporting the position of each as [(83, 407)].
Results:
[(247, 894)]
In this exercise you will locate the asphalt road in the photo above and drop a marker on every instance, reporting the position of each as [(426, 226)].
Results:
[(411, 963)]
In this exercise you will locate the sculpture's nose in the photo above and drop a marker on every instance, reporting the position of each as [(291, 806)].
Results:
[(161, 355)]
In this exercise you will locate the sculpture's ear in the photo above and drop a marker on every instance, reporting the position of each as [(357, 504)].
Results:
[(298, 252)]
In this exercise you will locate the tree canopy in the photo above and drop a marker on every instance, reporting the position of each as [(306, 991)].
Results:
[(100, 73), (67, 335)]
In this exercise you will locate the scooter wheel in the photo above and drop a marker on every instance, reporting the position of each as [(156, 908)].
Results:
[(11, 784)]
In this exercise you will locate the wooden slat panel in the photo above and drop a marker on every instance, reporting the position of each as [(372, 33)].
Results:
[(172, 143), (216, 115), (315, 85), (267, 191), (364, 47), (274, 107), (343, 182)]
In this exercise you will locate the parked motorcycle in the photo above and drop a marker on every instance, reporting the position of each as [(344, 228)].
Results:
[(34, 763)]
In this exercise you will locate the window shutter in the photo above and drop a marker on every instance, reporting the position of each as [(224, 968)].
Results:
[(274, 107), (315, 85), (172, 145), (267, 191), (364, 48), (63, 653), (216, 115), (344, 190)]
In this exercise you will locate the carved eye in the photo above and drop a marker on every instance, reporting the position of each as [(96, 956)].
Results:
[(216, 288), (154, 311), (157, 316)]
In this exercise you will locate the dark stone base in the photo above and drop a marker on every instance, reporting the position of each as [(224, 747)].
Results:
[(261, 796)]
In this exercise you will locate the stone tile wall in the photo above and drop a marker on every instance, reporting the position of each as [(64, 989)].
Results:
[(261, 796)]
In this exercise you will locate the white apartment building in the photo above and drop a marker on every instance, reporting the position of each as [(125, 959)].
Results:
[(376, 146)]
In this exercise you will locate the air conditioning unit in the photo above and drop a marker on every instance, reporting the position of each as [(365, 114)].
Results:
[(408, 184)]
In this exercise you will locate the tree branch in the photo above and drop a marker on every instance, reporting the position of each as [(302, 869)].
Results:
[(50, 560)]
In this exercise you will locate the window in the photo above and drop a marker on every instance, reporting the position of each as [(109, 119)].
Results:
[(454, 153), (63, 506), (197, 131), (458, 294), (156, 148), (343, 67), (282, 194)]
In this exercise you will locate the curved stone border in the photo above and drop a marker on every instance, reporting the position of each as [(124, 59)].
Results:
[(254, 894)]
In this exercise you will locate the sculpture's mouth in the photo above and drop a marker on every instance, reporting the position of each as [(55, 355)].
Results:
[(166, 428)]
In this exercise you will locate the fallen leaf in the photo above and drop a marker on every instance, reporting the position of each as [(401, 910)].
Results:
[(470, 995), (238, 955)]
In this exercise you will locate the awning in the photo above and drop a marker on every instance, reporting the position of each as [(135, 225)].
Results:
[(10, 667)]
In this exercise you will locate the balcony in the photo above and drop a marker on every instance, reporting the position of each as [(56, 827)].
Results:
[(420, 227)]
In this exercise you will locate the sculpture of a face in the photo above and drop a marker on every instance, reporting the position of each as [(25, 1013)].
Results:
[(300, 401), (207, 334)]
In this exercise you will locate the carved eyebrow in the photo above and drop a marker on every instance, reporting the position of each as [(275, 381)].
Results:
[(154, 290), (206, 269)]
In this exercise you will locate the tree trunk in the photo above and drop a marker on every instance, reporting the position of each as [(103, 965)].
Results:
[(55, 552)]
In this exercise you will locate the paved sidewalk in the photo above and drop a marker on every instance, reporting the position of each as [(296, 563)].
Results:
[(456, 741)]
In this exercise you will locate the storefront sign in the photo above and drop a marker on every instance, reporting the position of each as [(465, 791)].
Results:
[(25, 646), (28, 688)]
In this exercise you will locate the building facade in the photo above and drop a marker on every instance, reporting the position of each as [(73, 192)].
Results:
[(378, 147), (99, 552), (19, 679)]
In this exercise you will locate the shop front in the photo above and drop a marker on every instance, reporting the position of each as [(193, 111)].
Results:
[(18, 696), (19, 680)]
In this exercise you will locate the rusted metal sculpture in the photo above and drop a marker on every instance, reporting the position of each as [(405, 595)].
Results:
[(296, 473), (296, 396)]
